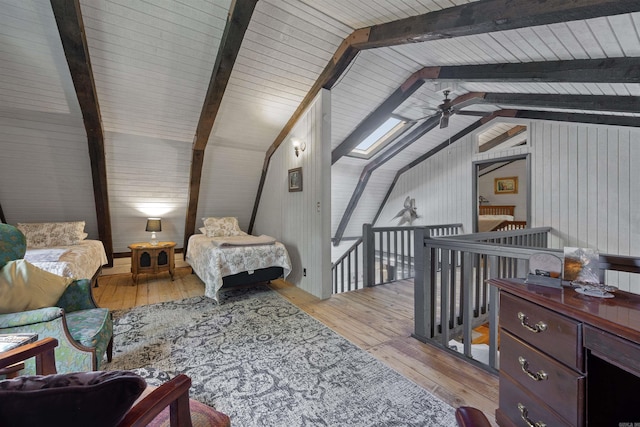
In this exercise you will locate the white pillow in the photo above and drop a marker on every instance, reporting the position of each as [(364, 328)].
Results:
[(23, 286), (48, 234), (222, 227)]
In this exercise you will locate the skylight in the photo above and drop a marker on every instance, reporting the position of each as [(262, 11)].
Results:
[(380, 137)]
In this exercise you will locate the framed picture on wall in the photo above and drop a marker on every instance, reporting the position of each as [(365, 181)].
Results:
[(295, 179), (507, 185)]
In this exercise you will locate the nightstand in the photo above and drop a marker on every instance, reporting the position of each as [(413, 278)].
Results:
[(152, 259)]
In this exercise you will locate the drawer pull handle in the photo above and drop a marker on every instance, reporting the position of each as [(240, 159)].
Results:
[(524, 414), (538, 327), (536, 376)]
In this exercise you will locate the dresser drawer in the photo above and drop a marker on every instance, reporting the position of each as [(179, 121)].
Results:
[(552, 333), (516, 405), (559, 387)]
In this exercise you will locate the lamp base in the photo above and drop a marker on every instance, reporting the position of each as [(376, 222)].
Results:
[(154, 239)]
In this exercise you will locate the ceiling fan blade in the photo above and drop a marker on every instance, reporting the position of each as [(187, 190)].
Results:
[(427, 117), (474, 113)]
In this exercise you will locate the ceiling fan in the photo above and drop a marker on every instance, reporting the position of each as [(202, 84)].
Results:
[(446, 110)]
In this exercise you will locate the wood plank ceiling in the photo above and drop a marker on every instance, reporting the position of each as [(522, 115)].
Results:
[(153, 60)]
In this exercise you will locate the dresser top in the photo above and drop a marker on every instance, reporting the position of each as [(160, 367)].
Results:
[(619, 315)]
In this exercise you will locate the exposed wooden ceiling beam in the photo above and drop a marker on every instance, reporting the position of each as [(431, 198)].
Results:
[(488, 16), (615, 103), (505, 136), (71, 28), (237, 23), (600, 119), (606, 70), (421, 130)]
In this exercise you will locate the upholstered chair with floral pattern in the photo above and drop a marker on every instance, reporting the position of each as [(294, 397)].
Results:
[(36, 301)]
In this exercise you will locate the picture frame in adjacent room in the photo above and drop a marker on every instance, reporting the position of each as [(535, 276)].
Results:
[(295, 179), (506, 185)]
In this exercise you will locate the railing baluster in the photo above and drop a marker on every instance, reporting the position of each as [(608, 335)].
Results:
[(445, 297), (395, 255), (466, 312)]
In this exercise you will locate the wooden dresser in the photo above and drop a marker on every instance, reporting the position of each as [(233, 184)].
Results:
[(567, 359)]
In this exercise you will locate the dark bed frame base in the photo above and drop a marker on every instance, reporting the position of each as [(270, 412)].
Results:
[(258, 276)]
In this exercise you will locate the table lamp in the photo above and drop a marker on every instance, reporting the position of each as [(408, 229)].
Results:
[(154, 225)]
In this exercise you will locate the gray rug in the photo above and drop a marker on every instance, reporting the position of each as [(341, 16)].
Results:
[(264, 362)]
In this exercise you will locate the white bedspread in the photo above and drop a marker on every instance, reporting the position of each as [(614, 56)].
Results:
[(212, 263), (79, 261)]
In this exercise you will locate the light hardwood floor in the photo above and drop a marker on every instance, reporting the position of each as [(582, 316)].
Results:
[(378, 320)]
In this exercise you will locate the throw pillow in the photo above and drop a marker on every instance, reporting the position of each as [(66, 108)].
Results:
[(23, 286), (75, 399), (222, 227), (48, 234), (13, 244)]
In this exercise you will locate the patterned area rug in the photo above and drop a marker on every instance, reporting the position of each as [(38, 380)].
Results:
[(264, 362)]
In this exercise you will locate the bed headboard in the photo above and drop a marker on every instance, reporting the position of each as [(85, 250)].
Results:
[(496, 210)]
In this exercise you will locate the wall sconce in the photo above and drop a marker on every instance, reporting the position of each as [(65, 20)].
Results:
[(483, 199), (154, 225), (298, 147)]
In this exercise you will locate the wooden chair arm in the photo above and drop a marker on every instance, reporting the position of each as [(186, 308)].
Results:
[(42, 350), (467, 416), (173, 393)]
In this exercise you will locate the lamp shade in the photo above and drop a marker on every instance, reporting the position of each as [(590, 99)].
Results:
[(154, 224)]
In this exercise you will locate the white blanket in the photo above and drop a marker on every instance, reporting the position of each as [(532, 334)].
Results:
[(263, 239), (79, 261)]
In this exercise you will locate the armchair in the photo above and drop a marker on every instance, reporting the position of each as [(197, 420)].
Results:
[(83, 330), (95, 398)]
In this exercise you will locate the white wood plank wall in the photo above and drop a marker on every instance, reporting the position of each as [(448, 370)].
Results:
[(229, 184), (45, 173), (301, 220), (148, 177), (441, 186), (583, 185)]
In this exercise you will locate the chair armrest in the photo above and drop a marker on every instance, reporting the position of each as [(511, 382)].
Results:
[(42, 350), (30, 317), (467, 416), (77, 296), (173, 393)]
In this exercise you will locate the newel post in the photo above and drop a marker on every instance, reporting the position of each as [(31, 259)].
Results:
[(422, 320), (368, 255)]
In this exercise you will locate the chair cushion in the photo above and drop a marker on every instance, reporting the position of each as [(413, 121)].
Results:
[(75, 399), (13, 244), (23, 287), (88, 326)]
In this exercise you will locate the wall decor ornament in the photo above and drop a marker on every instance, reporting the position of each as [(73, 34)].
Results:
[(507, 185), (408, 213), (295, 179)]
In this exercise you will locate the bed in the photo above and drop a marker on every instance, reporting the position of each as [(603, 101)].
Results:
[(62, 249), (232, 257), (498, 218)]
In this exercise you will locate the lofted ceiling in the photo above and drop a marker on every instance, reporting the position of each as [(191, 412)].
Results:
[(152, 64)]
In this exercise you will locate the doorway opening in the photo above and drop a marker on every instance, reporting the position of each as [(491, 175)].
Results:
[(502, 184)]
